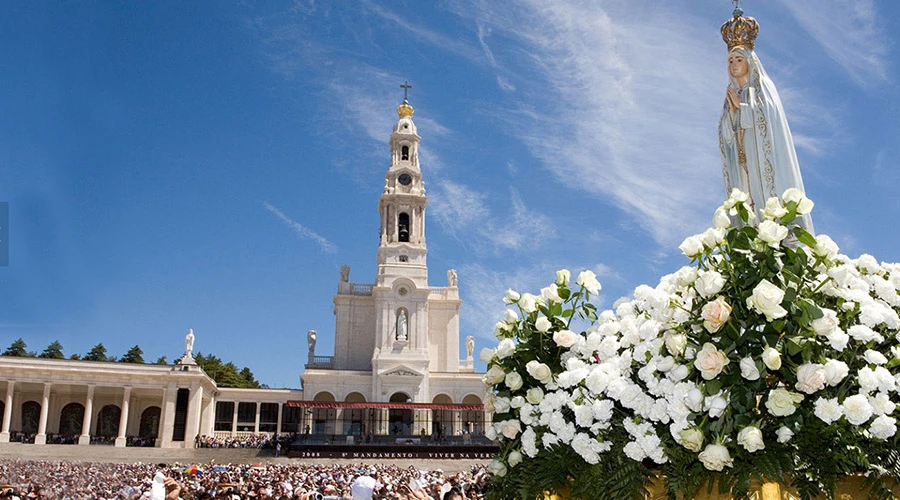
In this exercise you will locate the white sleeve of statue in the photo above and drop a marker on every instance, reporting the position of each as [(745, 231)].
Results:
[(747, 109)]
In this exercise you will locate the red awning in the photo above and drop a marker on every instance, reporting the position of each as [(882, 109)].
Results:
[(390, 406)]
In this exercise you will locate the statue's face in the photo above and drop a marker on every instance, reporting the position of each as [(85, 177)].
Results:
[(737, 65)]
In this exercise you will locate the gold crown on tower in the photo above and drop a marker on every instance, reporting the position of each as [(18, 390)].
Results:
[(405, 109), (740, 31)]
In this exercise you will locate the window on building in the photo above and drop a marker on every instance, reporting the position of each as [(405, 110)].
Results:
[(224, 415), (268, 417), (246, 416), (404, 153), (403, 226), (404, 258)]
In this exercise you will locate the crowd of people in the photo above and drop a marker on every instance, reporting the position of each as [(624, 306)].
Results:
[(81, 480), (251, 441)]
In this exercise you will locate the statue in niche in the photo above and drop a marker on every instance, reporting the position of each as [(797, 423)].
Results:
[(345, 273), (189, 344), (452, 279), (470, 346), (387, 186), (311, 341), (402, 326), (758, 155)]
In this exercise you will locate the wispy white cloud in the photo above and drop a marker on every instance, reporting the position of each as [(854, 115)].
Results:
[(622, 102), (301, 230), (465, 213), (849, 31)]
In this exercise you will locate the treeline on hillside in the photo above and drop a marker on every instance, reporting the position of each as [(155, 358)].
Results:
[(225, 374)]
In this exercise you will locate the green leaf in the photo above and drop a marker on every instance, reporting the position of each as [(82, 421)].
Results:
[(804, 237), (713, 387)]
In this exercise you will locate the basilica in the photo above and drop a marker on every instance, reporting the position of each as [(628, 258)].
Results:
[(395, 375)]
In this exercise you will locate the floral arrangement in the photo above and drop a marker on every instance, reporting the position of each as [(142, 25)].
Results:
[(771, 357)]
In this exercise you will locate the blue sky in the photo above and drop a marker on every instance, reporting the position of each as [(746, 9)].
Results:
[(210, 165)]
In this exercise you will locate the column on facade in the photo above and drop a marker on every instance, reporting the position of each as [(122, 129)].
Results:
[(234, 419), (7, 411), (123, 418), (195, 403), (85, 437), (209, 425), (256, 420), (167, 416), (41, 437), (278, 423)]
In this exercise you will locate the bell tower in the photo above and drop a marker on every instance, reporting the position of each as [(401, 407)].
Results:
[(401, 253)]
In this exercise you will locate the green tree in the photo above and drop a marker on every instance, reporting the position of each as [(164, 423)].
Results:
[(53, 351), (19, 349), (161, 361), (134, 355), (226, 374), (97, 353), (75, 356)]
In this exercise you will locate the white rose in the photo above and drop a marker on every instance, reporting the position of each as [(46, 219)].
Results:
[(804, 204), (825, 325), (838, 340), (737, 196), (712, 237), (709, 283), (715, 457), (528, 303), (749, 370), (883, 427), (882, 404), (784, 434), (691, 246), (666, 364), (782, 402), (721, 220), (679, 372), (514, 458), (675, 343), (687, 275), (510, 316), (499, 328), (513, 380), (766, 299), (715, 314), (505, 348), (551, 294), (825, 247), (562, 277), (494, 375), (511, 296), (490, 432), (774, 209), (772, 233), (857, 409), (486, 354), (565, 338), (874, 357), (710, 361), (828, 410), (510, 428), (691, 438), (543, 324), (539, 371), (811, 378), (588, 280), (772, 358), (715, 406), (868, 381), (534, 395), (694, 400), (496, 468), (751, 439), (517, 402), (501, 405), (835, 372)]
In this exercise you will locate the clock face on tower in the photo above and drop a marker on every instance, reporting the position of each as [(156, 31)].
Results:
[(404, 179)]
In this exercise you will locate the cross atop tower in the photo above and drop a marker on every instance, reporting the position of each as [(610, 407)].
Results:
[(406, 86)]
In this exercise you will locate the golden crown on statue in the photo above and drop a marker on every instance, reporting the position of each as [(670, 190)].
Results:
[(740, 31)]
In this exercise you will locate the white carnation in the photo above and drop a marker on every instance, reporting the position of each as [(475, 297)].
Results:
[(829, 410), (883, 427), (857, 409)]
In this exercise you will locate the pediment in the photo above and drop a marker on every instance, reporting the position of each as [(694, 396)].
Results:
[(401, 371)]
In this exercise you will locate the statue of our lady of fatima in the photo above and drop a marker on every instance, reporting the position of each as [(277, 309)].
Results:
[(758, 155)]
